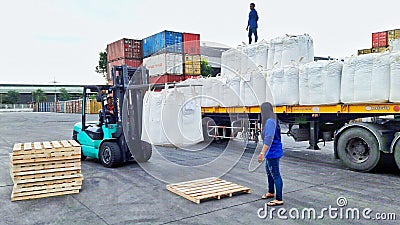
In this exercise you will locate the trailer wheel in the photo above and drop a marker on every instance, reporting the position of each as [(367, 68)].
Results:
[(397, 154), (210, 122), (110, 154), (146, 153), (358, 149)]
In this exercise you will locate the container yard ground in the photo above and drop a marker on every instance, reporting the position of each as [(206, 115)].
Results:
[(128, 195)]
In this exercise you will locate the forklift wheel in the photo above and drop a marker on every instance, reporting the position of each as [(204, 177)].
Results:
[(110, 154), (146, 153)]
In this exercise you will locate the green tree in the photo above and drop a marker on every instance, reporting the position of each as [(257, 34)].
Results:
[(12, 97), (39, 95), (206, 69), (102, 68), (64, 95)]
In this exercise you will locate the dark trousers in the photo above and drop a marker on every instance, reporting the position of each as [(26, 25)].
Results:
[(274, 177), (253, 31)]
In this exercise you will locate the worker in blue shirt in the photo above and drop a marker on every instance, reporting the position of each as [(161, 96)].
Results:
[(271, 152), (252, 23)]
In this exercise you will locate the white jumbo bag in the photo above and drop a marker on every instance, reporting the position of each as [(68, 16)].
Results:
[(270, 57), (284, 84), (380, 80), (290, 50), (252, 89), (347, 83), (152, 131), (395, 77), (332, 80), (362, 78), (261, 55), (319, 83), (230, 91), (180, 119), (229, 61), (395, 45), (306, 48), (278, 49), (210, 92)]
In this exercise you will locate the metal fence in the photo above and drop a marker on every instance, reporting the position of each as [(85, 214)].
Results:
[(16, 108)]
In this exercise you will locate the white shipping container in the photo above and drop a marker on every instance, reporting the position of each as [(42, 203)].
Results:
[(165, 63)]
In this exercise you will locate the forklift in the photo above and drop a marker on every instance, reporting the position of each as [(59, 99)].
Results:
[(109, 138)]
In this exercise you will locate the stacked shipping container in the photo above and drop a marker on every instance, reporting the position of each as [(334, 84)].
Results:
[(380, 41), (192, 57), (125, 51), (169, 56)]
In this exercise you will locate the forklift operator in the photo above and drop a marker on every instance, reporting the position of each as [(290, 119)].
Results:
[(110, 110), (110, 105)]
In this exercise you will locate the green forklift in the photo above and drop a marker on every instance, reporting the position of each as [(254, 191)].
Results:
[(109, 138)]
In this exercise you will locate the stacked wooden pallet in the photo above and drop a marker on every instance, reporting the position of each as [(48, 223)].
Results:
[(207, 188), (44, 169)]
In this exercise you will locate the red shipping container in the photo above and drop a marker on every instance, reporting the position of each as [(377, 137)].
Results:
[(166, 79), (383, 37), (124, 48), (129, 62), (375, 40), (191, 44)]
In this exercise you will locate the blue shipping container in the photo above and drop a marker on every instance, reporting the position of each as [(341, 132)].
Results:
[(165, 41)]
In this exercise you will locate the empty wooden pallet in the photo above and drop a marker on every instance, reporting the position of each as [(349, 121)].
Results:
[(207, 188), (44, 169)]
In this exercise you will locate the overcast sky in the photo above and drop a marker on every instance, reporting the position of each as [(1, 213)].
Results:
[(43, 40)]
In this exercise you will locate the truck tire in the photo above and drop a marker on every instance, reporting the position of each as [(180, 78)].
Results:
[(397, 154), (146, 153), (210, 122), (75, 138), (110, 154), (358, 149)]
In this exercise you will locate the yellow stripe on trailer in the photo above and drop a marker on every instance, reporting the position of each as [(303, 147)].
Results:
[(385, 108)]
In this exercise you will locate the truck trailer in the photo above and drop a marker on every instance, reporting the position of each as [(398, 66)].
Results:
[(359, 145)]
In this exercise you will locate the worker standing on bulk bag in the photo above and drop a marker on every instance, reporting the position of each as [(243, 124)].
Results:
[(252, 23)]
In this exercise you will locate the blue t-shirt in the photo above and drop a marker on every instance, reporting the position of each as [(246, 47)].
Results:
[(272, 138), (253, 18)]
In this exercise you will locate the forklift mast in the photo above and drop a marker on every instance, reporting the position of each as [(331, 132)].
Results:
[(124, 76)]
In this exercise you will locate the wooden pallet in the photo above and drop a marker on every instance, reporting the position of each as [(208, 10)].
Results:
[(44, 169), (207, 188)]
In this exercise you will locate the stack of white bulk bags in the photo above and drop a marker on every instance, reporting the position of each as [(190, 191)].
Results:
[(319, 82), (366, 78), (395, 77), (231, 62), (252, 88), (284, 85)]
